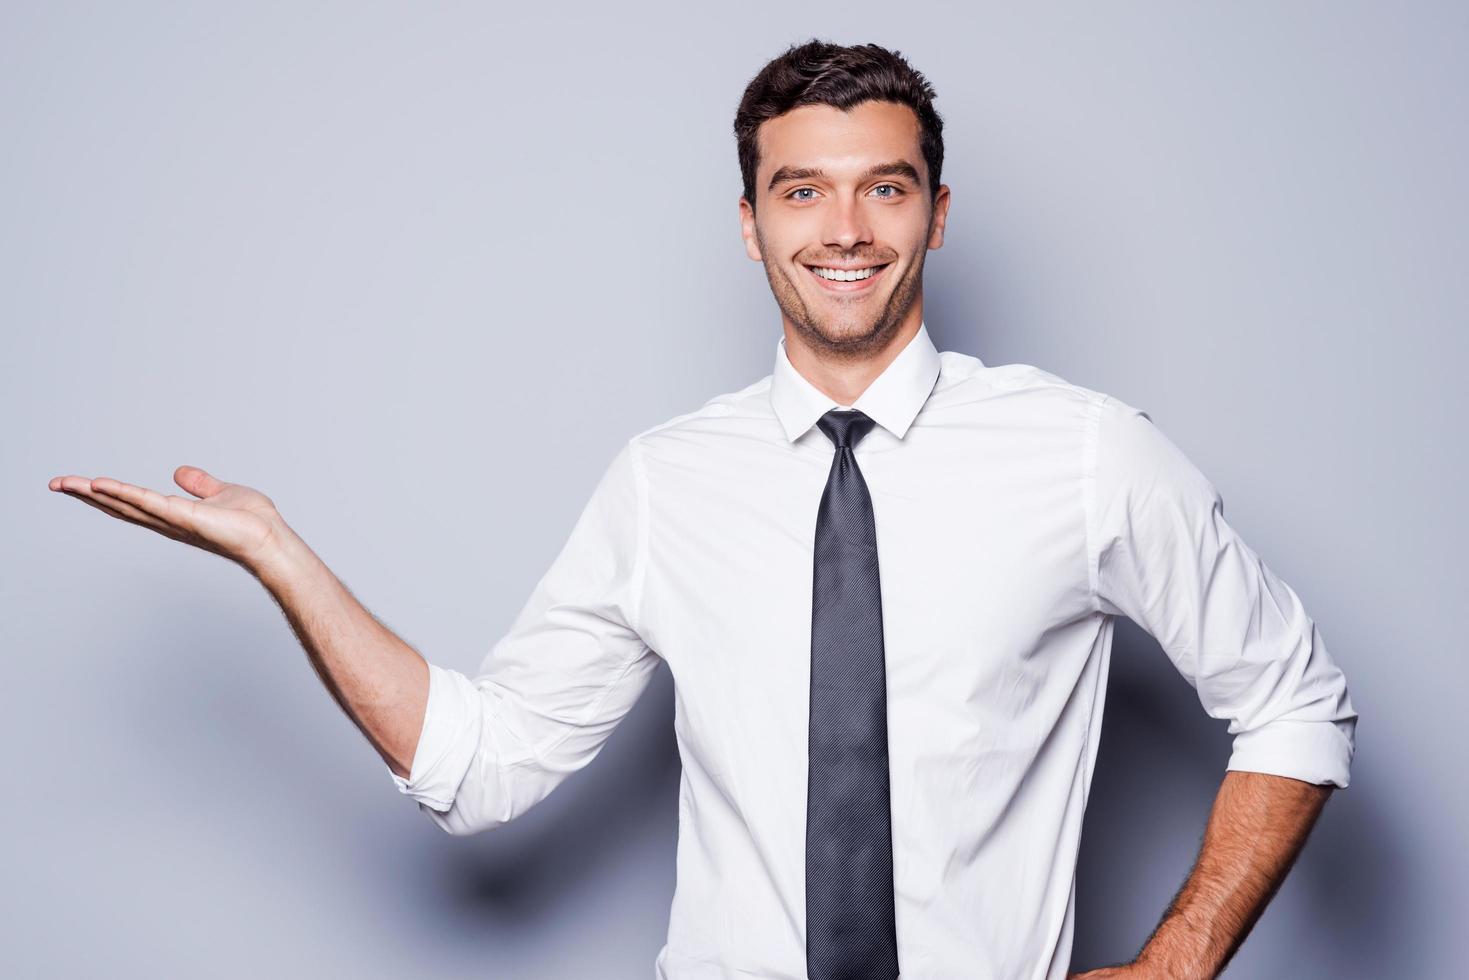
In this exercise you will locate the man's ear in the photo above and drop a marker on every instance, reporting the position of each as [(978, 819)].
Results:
[(939, 217), (747, 229)]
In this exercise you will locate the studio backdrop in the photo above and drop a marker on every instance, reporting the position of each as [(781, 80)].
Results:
[(358, 255)]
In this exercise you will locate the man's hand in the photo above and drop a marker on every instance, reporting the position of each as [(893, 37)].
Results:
[(378, 679), (229, 519), (1256, 829)]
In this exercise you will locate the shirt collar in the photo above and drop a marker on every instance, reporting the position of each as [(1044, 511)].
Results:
[(892, 400)]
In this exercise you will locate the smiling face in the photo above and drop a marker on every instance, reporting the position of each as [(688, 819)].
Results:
[(842, 223)]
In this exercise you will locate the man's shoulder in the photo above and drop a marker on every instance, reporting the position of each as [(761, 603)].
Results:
[(965, 379)]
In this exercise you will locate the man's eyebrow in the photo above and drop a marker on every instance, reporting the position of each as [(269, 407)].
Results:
[(896, 168)]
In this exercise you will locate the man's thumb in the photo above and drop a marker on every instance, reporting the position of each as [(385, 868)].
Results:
[(197, 482)]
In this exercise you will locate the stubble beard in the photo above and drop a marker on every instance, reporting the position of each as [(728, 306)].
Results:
[(838, 336)]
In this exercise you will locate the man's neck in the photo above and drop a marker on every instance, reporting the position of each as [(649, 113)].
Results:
[(843, 378)]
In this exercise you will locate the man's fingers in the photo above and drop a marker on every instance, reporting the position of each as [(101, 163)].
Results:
[(122, 510), (149, 502)]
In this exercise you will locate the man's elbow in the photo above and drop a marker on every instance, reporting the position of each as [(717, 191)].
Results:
[(488, 804)]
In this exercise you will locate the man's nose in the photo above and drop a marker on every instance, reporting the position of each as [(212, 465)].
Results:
[(847, 225)]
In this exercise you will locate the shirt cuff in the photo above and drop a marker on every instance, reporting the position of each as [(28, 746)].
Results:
[(446, 743), (1314, 751)]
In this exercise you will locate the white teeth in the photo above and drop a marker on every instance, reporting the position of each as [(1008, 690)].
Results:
[(844, 275)]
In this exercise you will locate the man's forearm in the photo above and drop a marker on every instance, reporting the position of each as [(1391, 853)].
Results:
[(1258, 825), (378, 679)]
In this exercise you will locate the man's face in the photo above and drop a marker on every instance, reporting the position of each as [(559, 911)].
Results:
[(844, 191)]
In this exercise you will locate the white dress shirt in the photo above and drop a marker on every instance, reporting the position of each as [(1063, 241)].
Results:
[(1017, 514)]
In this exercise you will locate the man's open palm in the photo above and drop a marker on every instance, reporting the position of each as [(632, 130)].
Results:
[(228, 519)]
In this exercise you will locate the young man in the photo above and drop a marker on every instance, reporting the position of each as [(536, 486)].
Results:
[(884, 579)]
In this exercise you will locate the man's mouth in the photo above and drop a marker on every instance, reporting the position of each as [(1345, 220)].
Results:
[(846, 280)]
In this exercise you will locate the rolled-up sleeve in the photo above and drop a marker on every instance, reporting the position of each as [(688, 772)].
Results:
[(1165, 557), (551, 691)]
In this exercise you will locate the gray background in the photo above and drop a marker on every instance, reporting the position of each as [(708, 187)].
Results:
[(416, 273)]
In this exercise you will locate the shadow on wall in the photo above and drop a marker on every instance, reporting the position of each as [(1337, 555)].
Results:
[(1344, 911), (526, 874)]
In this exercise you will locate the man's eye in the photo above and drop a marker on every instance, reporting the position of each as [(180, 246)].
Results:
[(894, 190)]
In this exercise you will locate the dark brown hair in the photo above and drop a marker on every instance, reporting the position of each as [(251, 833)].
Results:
[(821, 73)]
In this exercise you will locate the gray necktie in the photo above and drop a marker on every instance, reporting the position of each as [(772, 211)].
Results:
[(851, 933)]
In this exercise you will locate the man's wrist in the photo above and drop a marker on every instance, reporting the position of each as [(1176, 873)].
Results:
[(1179, 948), (285, 560)]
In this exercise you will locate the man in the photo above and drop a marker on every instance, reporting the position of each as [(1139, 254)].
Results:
[(884, 579)]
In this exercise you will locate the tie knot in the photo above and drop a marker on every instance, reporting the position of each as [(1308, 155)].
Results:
[(845, 427)]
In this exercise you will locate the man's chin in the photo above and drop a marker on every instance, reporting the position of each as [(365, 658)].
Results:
[(847, 334)]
